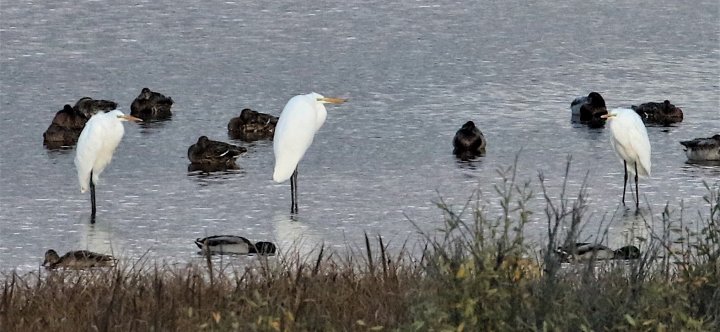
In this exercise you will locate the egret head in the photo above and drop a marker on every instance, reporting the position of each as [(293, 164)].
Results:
[(124, 117), (327, 100)]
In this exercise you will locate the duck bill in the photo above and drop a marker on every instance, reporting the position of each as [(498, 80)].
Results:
[(131, 118), (332, 100)]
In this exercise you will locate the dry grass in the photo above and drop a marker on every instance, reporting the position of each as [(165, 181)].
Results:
[(475, 276)]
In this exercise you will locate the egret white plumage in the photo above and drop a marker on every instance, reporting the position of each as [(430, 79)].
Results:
[(630, 141), (95, 148), (301, 118)]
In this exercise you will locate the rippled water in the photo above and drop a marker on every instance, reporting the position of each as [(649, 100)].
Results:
[(414, 71)]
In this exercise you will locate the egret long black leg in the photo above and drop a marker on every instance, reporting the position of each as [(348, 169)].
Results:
[(293, 192), (625, 182), (637, 193), (92, 198)]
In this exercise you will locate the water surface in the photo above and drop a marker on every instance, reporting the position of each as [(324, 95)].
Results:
[(414, 71)]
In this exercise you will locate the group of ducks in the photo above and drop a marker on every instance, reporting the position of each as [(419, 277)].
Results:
[(469, 142), (216, 244)]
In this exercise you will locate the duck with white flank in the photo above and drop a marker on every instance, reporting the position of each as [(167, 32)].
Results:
[(207, 152), (587, 251), (233, 244), (703, 149)]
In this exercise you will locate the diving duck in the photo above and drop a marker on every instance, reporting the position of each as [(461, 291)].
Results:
[(252, 126), (233, 244), (469, 142), (78, 259), (151, 105)]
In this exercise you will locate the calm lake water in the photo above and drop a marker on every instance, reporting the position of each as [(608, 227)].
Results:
[(414, 71)]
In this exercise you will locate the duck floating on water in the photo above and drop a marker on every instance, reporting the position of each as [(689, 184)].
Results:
[(587, 251), (233, 244), (78, 259), (589, 109), (151, 105), (663, 113), (69, 122), (207, 152), (469, 142), (702, 149), (252, 126)]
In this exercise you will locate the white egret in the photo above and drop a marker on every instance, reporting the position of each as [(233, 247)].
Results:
[(631, 143), (301, 118), (469, 142), (95, 148)]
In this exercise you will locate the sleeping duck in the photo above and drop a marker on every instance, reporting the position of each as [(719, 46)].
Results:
[(78, 259), (587, 251), (252, 126), (469, 142), (702, 149), (233, 244), (663, 113), (590, 109), (151, 105), (207, 152)]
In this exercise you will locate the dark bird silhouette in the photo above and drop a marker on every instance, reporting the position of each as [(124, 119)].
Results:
[(586, 251), (150, 105), (77, 260), (233, 244), (469, 142), (590, 109), (252, 126), (69, 122), (663, 114), (702, 149), (211, 153)]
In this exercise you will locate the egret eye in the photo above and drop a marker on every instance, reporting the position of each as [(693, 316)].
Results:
[(119, 116)]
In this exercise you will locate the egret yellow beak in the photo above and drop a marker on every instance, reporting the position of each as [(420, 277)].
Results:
[(607, 116), (131, 118), (331, 100)]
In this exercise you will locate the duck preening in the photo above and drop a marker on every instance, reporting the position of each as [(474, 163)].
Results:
[(589, 109), (233, 244), (207, 152), (702, 149), (469, 142), (663, 113), (151, 105), (252, 126), (69, 122), (587, 251), (78, 259)]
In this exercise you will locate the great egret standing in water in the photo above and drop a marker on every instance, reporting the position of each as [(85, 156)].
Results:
[(631, 143), (95, 148), (301, 118)]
